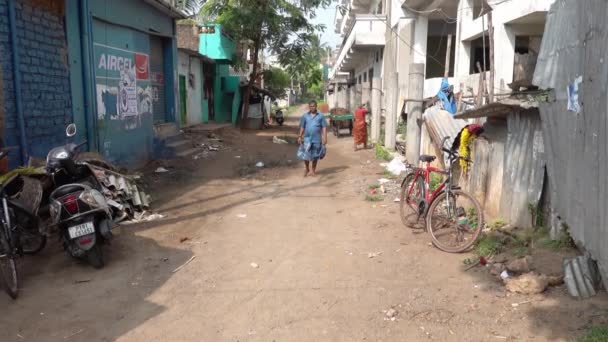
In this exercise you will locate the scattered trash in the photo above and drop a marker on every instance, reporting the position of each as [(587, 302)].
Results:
[(237, 157), (382, 189), (82, 281), (161, 169), (144, 216), (73, 334), (581, 276), (521, 265), (396, 166), (520, 303), (497, 268), (504, 275), (373, 254), (184, 239), (531, 283), (383, 181), (241, 216), (214, 148), (254, 265), (373, 191), (391, 314), (278, 140), (396, 199), (184, 264), (259, 164)]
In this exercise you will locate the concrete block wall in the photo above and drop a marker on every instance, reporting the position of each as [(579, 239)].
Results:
[(45, 83)]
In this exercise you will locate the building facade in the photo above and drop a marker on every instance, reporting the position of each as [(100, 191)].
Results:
[(108, 66)]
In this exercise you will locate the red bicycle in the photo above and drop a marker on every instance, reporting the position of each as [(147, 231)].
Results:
[(452, 216)]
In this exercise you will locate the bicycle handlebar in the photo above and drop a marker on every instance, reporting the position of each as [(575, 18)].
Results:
[(455, 156)]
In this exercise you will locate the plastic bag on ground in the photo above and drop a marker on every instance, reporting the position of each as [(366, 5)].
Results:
[(396, 166)]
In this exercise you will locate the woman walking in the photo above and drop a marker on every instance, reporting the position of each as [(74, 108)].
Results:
[(360, 127)]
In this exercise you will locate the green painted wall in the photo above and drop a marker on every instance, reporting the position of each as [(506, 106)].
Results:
[(216, 45)]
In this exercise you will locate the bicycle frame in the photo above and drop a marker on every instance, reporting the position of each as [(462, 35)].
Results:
[(425, 173)]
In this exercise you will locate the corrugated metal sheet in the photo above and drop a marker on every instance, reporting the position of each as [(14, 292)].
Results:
[(524, 167), (440, 124), (576, 43)]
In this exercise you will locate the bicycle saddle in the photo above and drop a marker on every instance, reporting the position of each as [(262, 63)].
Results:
[(426, 158)]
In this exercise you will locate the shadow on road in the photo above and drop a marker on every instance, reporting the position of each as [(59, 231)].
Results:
[(105, 303)]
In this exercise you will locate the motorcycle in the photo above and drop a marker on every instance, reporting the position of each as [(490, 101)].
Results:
[(279, 117), (77, 206)]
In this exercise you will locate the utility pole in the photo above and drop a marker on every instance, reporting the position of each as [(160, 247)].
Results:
[(491, 34), (390, 127), (376, 104), (448, 57), (414, 113)]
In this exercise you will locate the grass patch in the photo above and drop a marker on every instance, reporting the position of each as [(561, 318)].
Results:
[(402, 130), (382, 153), (436, 180), (490, 244), (374, 186), (387, 174), (496, 224), (595, 334), (563, 241), (374, 198)]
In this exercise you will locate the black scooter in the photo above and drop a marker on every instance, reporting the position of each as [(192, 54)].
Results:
[(77, 205)]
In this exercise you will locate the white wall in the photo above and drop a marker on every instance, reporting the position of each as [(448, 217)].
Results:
[(187, 65), (503, 16)]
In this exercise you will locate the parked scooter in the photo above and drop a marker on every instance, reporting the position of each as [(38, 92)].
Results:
[(279, 117), (77, 206)]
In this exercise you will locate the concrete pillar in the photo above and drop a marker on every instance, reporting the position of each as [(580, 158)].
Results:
[(421, 31), (366, 93), (404, 55), (504, 57), (335, 99), (351, 98), (462, 49), (390, 127), (376, 109), (414, 113), (358, 93)]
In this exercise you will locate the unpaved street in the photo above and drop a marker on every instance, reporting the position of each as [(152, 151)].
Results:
[(315, 279)]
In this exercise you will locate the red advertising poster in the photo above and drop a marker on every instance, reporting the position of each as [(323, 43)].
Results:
[(142, 67)]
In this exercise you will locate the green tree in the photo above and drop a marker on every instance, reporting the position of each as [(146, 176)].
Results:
[(281, 26), (276, 81), (307, 69)]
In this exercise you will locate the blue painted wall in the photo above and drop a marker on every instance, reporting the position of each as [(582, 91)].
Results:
[(123, 100), (44, 73)]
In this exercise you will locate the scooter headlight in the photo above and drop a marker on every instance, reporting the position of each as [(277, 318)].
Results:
[(92, 198)]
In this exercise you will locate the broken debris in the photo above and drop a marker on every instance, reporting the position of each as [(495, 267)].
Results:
[(521, 265), (254, 265), (531, 283), (161, 169), (278, 140)]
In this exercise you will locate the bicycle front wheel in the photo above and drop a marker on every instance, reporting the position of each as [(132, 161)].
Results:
[(409, 201), (8, 265), (454, 223)]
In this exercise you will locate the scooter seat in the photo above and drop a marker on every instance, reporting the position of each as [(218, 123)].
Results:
[(67, 189)]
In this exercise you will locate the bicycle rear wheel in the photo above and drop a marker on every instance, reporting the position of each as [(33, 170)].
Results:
[(455, 222), (409, 202), (8, 268)]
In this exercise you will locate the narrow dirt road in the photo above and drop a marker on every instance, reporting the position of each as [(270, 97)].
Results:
[(278, 257)]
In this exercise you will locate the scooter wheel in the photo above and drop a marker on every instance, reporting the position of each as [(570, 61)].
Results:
[(95, 257)]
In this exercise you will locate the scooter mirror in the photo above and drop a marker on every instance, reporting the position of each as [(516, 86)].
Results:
[(70, 131)]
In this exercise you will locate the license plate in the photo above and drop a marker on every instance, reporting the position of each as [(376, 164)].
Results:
[(81, 230)]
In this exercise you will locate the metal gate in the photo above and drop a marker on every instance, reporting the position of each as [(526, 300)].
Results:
[(157, 64)]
